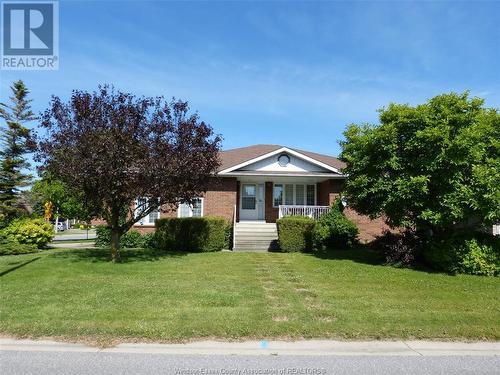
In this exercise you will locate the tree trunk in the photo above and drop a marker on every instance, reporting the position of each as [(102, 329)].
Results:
[(115, 245)]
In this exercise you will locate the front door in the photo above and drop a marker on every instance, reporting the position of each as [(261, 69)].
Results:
[(252, 202)]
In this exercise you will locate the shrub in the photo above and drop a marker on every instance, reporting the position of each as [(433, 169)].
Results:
[(471, 253), (10, 247), (148, 240), (191, 234), (334, 230), (103, 236), (295, 233), (399, 249), (131, 239), (228, 236), (3, 222), (35, 232)]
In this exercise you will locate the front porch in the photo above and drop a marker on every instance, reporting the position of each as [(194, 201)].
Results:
[(259, 235), (269, 200)]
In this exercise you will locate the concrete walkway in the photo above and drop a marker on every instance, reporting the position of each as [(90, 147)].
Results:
[(75, 234), (306, 348), (72, 245)]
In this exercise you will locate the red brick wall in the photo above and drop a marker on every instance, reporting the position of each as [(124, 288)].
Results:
[(144, 229), (271, 213), (329, 190), (223, 194), (220, 198), (237, 201), (98, 222), (368, 228)]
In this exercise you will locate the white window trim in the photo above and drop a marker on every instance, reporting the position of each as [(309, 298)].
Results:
[(256, 195), (294, 193), (202, 199), (282, 193), (145, 219)]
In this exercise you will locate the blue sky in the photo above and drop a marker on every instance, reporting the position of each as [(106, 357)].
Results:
[(291, 73)]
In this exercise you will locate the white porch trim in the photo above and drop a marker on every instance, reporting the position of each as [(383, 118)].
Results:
[(276, 174)]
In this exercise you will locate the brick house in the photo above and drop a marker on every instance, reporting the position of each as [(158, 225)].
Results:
[(256, 185)]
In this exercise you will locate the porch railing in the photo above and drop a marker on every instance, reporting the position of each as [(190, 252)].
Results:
[(314, 212)]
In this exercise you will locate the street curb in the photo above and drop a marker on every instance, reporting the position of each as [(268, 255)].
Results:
[(307, 347)]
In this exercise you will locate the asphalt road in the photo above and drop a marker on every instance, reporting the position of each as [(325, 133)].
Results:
[(81, 363)]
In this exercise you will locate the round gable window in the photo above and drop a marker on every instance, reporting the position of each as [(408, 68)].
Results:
[(283, 160)]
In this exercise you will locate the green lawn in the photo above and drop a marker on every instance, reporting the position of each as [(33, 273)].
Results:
[(78, 294)]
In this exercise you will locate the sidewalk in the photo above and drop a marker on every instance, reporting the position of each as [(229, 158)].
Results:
[(307, 347), (72, 245), (75, 234)]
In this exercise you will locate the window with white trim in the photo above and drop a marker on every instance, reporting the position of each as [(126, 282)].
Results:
[(299, 194), (153, 215), (193, 209), (289, 194), (140, 206), (311, 195), (277, 195), (294, 194)]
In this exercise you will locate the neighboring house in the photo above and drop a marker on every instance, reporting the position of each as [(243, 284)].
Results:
[(258, 184)]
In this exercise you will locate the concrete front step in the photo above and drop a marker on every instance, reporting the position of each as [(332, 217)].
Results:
[(254, 224), (264, 243), (255, 228), (251, 229), (255, 236)]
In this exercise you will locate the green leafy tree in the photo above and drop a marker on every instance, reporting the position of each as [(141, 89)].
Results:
[(432, 166), (66, 202), (16, 141)]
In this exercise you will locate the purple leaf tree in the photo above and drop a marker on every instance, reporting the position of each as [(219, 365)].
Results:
[(115, 147)]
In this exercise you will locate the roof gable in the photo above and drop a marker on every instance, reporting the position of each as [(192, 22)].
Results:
[(264, 158), (235, 156), (293, 164)]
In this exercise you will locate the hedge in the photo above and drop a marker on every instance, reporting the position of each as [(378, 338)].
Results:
[(472, 253), (131, 239), (192, 234), (295, 233)]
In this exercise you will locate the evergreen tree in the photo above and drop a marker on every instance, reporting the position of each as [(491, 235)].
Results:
[(16, 141)]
